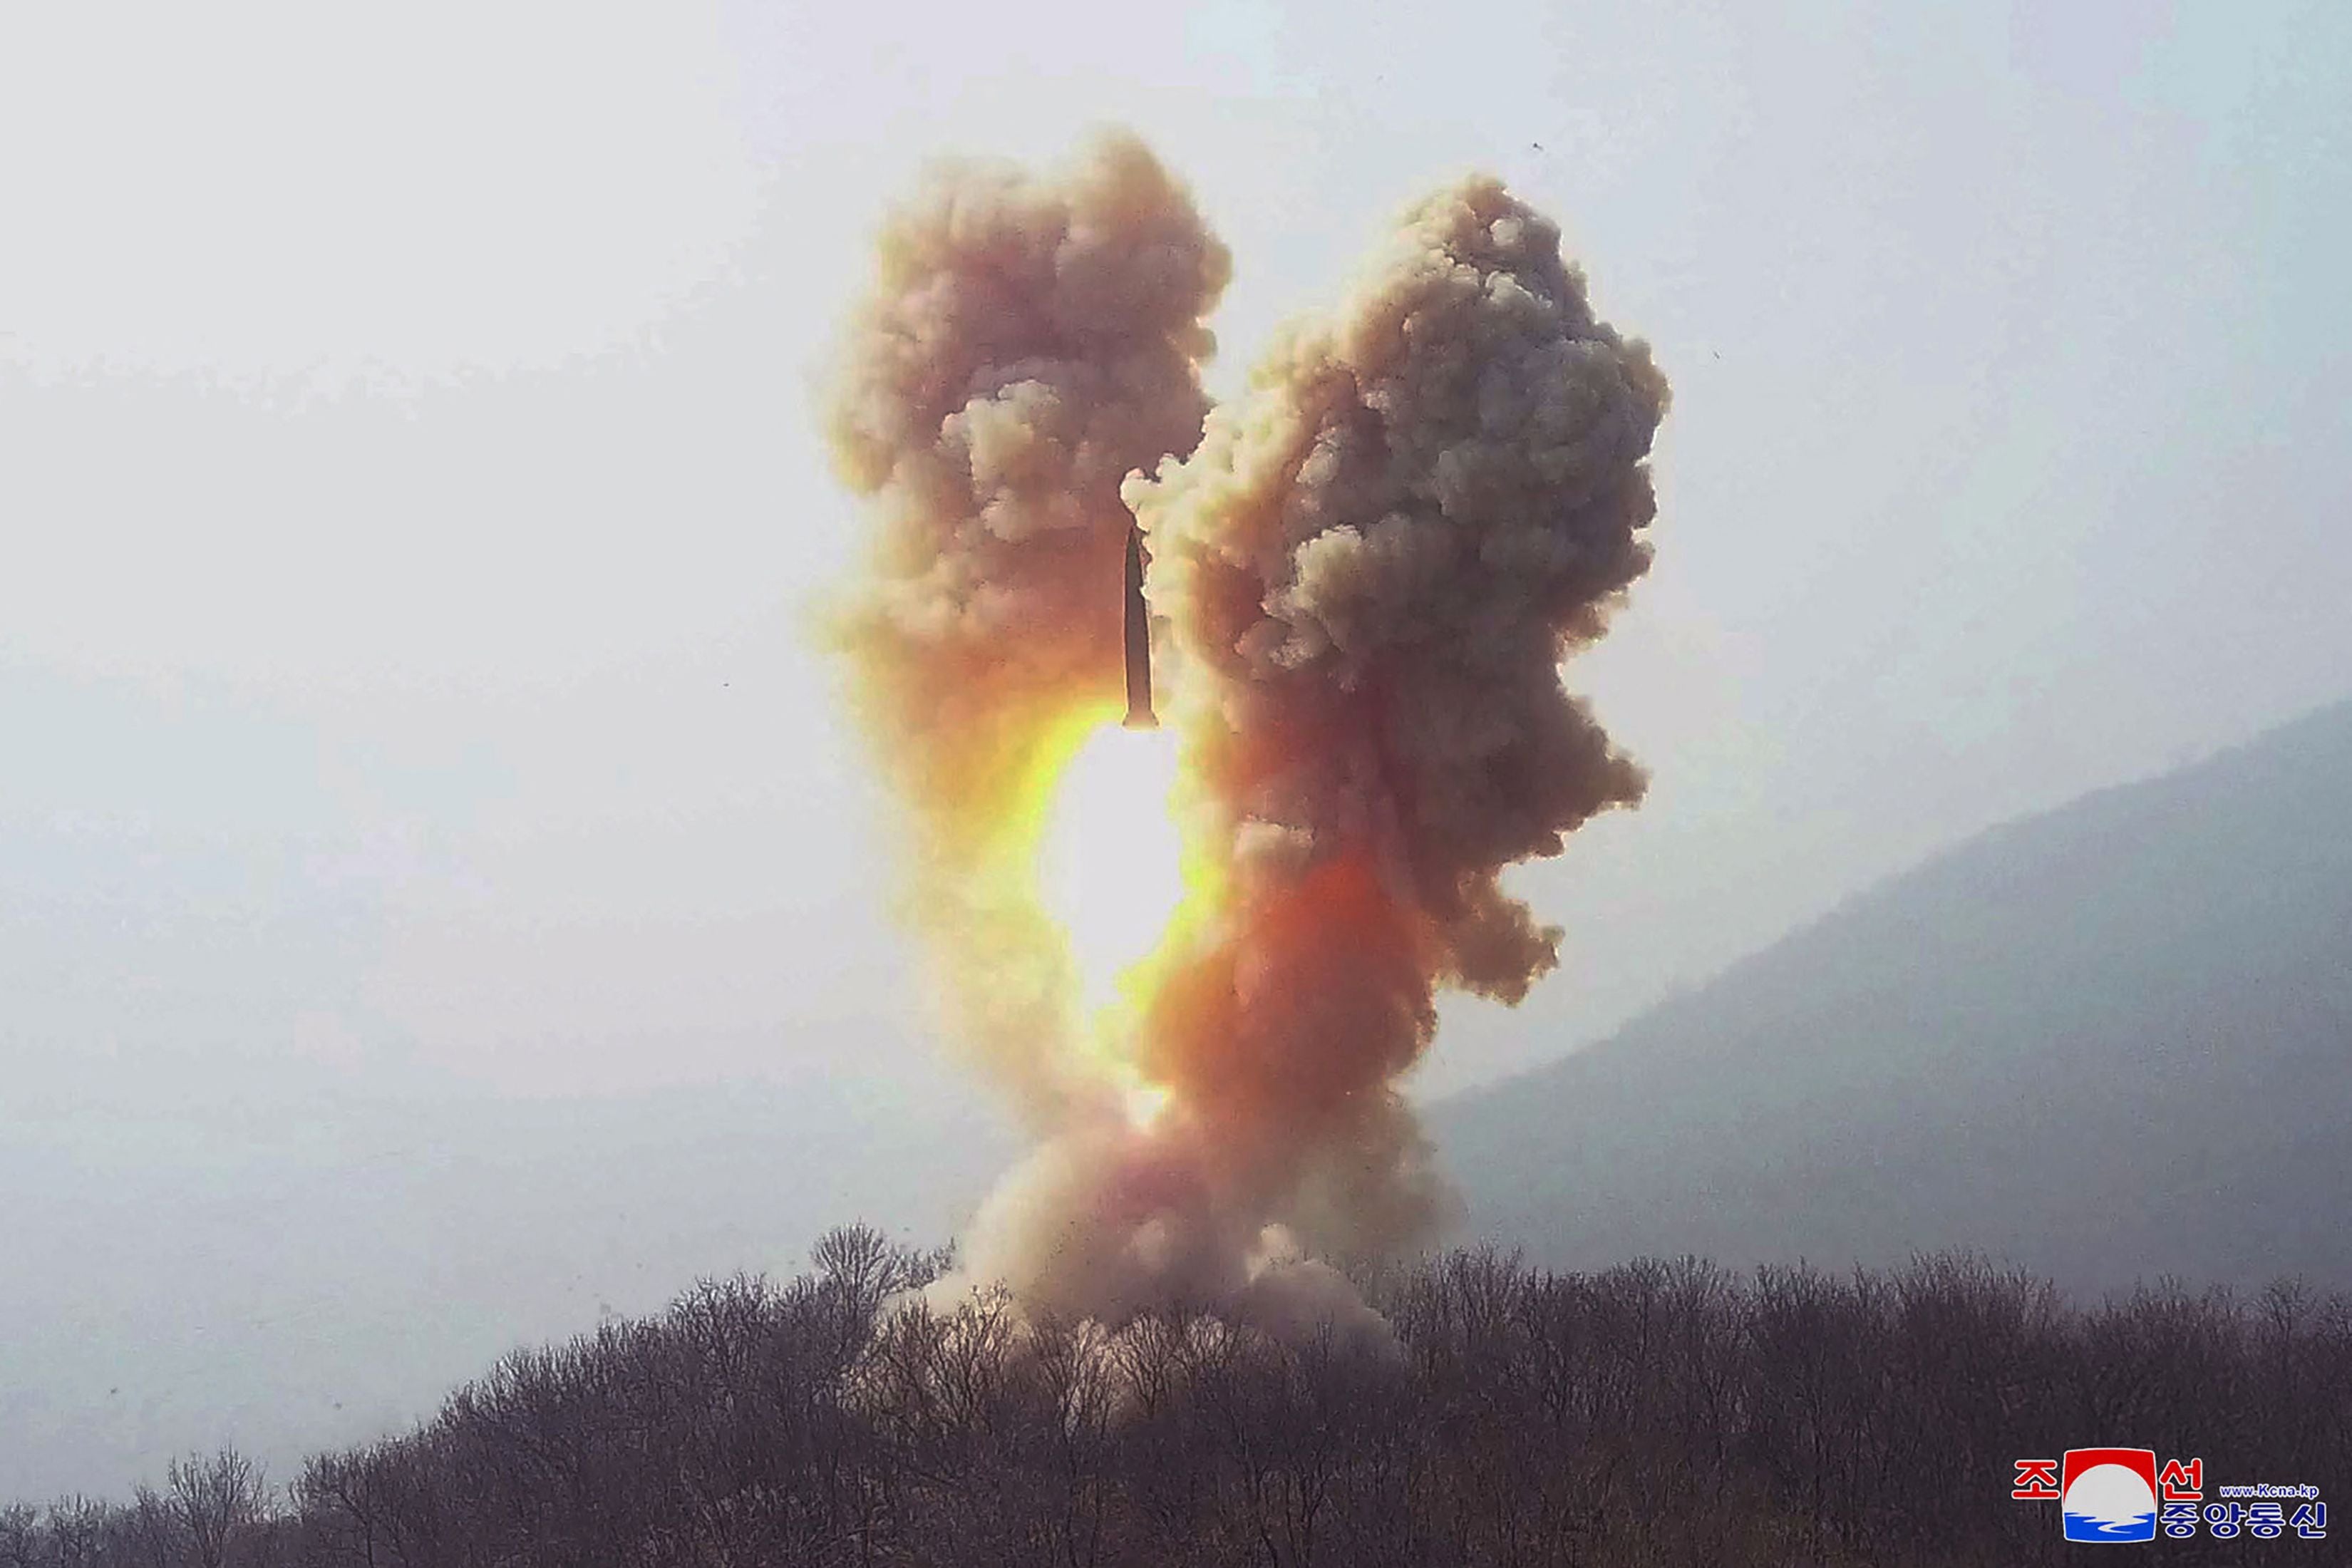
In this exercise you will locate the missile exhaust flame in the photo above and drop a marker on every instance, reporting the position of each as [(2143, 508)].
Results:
[(1111, 864)]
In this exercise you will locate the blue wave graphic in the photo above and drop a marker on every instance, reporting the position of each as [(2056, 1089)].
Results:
[(2106, 1527)]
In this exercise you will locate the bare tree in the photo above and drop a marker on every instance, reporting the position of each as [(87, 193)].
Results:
[(76, 1529), (154, 1523), (19, 1535), (219, 1498)]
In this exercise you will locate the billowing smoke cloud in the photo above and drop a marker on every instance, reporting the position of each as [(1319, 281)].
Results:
[(1027, 346), (1367, 575)]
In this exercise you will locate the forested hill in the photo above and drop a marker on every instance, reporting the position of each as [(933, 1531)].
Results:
[(2107, 1043), (1652, 1416)]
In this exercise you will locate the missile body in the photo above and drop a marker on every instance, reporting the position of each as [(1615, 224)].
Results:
[(1139, 639)]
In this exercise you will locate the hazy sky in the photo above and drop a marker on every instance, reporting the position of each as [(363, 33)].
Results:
[(411, 501)]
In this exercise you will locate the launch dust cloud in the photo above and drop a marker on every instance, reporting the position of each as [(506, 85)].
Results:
[(1365, 575)]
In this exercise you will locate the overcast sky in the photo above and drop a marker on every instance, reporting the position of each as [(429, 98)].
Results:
[(411, 501)]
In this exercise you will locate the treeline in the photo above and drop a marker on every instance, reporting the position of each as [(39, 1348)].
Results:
[(1656, 1414)]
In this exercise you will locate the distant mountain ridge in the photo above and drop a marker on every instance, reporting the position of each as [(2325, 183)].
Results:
[(2110, 1042)]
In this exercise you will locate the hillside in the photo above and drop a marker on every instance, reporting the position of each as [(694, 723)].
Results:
[(2110, 1042), (1651, 1414)]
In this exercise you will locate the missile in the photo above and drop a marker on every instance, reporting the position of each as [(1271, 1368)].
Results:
[(1138, 638)]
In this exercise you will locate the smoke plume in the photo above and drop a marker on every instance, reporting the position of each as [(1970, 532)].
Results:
[(1027, 344), (1366, 574)]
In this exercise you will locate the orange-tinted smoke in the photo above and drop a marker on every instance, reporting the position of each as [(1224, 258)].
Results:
[(1374, 565), (1027, 343)]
